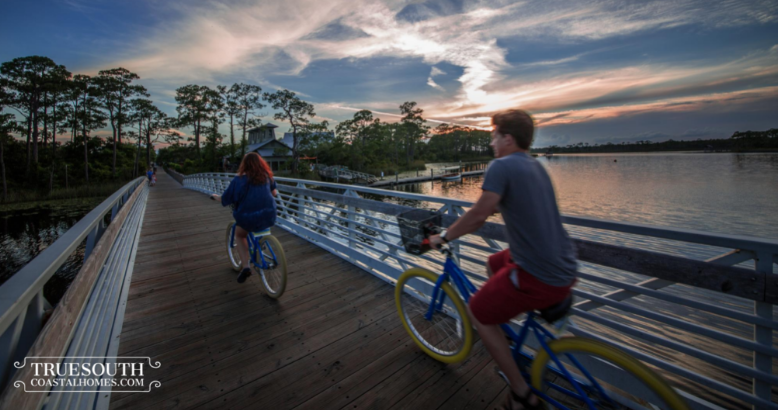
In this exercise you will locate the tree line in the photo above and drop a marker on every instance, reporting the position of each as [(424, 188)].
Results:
[(738, 142), (41, 101), (362, 143), (56, 116)]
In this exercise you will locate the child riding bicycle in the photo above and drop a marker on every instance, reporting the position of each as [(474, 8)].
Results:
[(539, 268), (251, 195)]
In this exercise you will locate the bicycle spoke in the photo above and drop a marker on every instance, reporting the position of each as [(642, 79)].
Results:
[(439, 333)]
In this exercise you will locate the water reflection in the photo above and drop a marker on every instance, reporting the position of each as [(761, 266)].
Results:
[(26, 233)]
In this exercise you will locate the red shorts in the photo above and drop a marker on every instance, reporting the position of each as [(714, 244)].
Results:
[(499, 301)]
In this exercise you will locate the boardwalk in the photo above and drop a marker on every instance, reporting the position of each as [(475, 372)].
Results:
[(332, 341)]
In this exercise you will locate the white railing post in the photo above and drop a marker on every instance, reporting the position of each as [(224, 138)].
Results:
[(351, 217)]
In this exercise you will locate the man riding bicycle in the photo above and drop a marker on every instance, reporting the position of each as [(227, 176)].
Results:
[(539, 268)]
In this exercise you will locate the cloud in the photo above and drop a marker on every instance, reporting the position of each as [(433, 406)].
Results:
[(336, 31), (430, 82), (433, 84), (436, 71), (260, 41)]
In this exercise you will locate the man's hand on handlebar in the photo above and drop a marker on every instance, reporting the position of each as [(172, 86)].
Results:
[(436, 242)]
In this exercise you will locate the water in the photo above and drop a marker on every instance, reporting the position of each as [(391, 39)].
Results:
[(719, 193), (722, 193), (25, 233)]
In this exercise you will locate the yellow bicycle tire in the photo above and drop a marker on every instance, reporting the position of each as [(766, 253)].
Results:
[(651, 379), (278, 250), (459, 305)]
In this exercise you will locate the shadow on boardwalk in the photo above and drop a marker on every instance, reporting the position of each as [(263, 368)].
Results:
[(332, 341)]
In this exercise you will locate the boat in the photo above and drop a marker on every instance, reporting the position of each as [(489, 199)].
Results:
[(451, 173), (549, 154)]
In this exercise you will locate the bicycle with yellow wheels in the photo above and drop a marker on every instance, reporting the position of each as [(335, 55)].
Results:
[(267, 259), (566, 373)]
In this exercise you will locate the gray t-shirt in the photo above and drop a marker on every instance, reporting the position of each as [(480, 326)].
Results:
[(537, 239)]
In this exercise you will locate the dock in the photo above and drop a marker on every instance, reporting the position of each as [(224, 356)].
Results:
[(333, 340), (412, 180)]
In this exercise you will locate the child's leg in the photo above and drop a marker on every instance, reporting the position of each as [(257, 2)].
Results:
[(243, 246)]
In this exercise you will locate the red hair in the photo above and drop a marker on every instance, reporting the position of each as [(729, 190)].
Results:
[(255, 168)]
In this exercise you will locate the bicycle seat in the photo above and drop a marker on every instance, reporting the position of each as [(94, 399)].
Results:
[(553, 313), (261, 233)]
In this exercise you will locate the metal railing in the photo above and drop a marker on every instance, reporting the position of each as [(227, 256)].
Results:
[(721, 277), (22, 302)]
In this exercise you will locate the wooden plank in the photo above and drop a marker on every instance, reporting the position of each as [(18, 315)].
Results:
[(200, 387)]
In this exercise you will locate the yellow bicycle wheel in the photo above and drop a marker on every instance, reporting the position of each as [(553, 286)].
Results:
[(448, 335), (608, 365), (274, 277)]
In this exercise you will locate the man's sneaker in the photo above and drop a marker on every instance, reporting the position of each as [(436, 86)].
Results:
[(244, 274)]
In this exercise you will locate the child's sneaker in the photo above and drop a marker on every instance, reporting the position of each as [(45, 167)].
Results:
[(244, 274)]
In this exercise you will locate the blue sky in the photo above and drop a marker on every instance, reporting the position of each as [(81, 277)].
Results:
[(590, 71)]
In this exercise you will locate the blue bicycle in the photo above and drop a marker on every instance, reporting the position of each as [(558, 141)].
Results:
[(267, 259), (434, 314)]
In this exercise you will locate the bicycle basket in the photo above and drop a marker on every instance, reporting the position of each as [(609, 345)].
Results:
[(412, 229)]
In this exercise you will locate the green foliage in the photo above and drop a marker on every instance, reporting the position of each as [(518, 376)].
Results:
[(294, 111)]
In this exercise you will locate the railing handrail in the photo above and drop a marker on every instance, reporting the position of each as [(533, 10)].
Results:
[(17, 292), (656, 231)]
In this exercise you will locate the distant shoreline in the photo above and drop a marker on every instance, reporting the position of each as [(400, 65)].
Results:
[(540, 153)]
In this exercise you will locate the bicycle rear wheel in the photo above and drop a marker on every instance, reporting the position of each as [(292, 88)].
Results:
[(232, 251), (274, 276), (598, 369), (447, 336)]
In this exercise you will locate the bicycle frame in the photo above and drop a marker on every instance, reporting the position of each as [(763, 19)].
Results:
[(452, 272), (254, 249)]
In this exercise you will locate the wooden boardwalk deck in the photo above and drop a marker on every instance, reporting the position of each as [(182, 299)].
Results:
[(333, 340)]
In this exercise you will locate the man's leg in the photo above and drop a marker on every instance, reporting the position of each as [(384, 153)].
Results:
[(495, 342)]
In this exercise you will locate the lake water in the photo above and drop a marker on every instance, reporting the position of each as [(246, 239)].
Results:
[(719, 193), (723, 192), (25, 233)]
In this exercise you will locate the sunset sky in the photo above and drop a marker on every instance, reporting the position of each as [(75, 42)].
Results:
[(590, 71)]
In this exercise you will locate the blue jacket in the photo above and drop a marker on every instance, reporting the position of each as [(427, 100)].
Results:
[(254, 205)]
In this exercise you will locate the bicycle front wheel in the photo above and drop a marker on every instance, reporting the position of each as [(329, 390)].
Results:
[(608, 377), (232, 250), (274, 276), (447, 335)]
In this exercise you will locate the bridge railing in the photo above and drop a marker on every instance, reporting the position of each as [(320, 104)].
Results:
[(658, 293), (83, 322)]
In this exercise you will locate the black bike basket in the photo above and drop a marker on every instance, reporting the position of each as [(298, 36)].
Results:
[(414, 224)]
